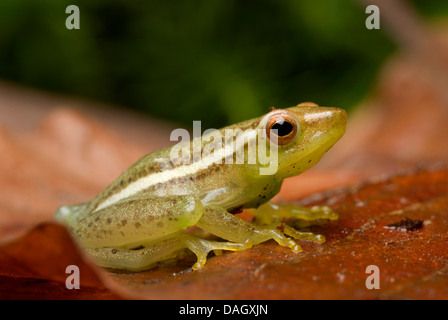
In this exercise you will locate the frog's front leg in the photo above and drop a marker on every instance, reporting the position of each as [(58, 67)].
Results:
[(271, 212), (221, 223)]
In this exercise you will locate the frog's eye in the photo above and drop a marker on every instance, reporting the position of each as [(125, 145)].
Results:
[(283, 126)]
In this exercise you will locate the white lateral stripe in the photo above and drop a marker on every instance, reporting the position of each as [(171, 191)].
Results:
[(165, 176)]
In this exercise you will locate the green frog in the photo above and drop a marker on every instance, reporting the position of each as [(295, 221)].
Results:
[(144, 216)]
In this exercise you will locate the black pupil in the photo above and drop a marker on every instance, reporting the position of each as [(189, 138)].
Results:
[(283, 128)]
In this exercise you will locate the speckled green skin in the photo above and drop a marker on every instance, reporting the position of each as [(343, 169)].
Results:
[(150, 204)]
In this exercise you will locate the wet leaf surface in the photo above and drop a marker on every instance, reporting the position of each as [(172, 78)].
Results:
[(412, 264)]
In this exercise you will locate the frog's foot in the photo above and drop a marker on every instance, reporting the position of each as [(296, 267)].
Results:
[(303, 235), (270, 213), (202, 247)]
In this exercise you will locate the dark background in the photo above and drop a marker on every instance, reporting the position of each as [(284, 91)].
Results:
[(219, 61)]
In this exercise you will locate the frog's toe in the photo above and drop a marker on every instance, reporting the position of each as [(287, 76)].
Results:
[(273, 232), (319, 238), (294, 246), (200, 263), (324, 212), (248, 244)]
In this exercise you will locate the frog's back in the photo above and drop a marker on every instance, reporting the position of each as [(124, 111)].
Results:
[(157, 175), (150, 167)]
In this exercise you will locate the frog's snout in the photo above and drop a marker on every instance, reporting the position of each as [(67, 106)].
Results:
[(326, 121), (339, 120), (334, 124), (339, 116)]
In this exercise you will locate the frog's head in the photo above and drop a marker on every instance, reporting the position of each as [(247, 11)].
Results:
[(301, 135)]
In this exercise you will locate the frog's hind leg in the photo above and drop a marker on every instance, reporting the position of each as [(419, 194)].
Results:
[(136, 259), (137, 232), (147, 256)]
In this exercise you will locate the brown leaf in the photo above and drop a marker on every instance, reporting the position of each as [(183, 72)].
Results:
[(34, 267), (412, 264)]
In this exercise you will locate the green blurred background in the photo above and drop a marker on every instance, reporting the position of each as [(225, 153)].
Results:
[(219, 61)]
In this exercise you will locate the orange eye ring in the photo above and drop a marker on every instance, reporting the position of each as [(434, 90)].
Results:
[(283, 126)]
